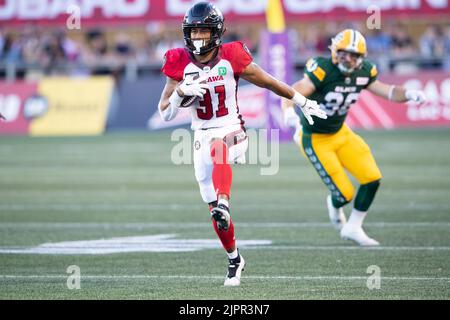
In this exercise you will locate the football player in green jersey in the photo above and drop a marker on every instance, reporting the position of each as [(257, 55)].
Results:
[(330, 145)]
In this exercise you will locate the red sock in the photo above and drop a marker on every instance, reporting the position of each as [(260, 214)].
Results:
[(226, 237), (222, 175)]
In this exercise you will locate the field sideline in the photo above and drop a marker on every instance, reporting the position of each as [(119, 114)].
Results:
[(64, 201)]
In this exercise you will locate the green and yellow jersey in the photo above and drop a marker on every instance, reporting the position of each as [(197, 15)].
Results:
[(335, 92)]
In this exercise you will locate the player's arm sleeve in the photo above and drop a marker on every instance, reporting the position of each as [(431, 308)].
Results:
[(172, 67), (315, 72), (239, 56)]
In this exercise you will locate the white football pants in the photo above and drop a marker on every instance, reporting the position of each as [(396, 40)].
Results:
[(237, 142)]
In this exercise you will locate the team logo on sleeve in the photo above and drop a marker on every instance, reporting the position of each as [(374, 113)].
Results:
[(222, 71), (311, 65), (374, 71)]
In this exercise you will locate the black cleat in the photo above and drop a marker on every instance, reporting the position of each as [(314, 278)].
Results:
[(221, 214)]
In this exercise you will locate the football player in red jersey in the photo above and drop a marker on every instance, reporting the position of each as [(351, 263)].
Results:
[(209, 70)]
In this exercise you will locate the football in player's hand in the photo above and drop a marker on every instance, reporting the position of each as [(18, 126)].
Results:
[(187, 101)]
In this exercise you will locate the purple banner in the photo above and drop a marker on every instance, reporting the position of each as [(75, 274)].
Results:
[(276, 60)]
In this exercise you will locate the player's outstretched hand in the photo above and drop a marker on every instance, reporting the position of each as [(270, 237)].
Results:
[(309, 108), (417, 96), (194, 87)]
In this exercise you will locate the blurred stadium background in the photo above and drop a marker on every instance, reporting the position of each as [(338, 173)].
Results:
[(84, 155), (127, 45)]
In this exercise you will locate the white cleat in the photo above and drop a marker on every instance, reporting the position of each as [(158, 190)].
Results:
[(357, 234), (232, 282), (337, 216), (235, 269)]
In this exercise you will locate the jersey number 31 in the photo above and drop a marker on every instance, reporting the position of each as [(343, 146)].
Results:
[(206, 112)]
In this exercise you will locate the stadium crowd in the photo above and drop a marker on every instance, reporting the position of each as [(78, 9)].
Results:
[(100, 51)]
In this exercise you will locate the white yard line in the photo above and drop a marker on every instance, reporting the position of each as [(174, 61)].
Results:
[(145, 247), (355, 247), (193, 225), (200, 207), (187, 277)]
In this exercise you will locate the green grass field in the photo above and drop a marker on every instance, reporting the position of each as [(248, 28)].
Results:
[(124, 185)]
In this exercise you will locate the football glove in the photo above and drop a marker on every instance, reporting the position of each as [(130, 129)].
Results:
[(309, 108), (417, 96), (191, 87)]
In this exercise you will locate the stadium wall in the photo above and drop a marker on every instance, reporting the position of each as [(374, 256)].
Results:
[(91, 106), (94, 12), (56, 106)]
